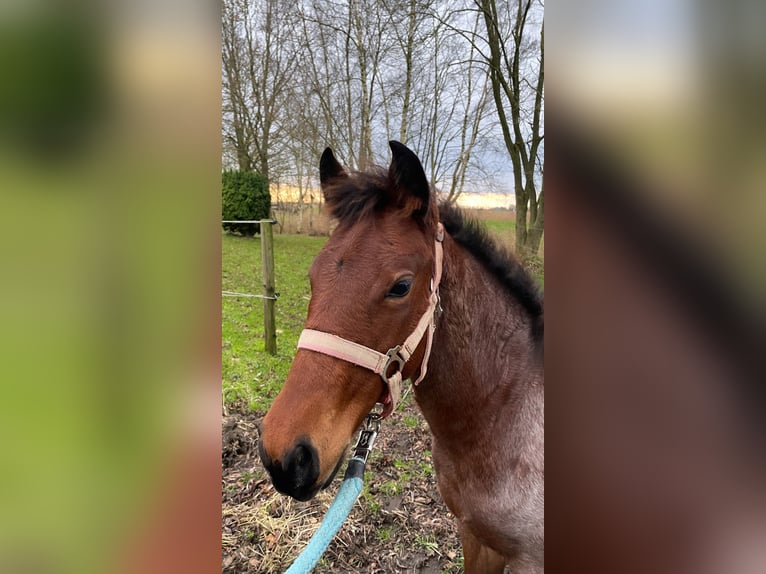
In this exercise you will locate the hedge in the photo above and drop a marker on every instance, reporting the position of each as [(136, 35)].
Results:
[(244, 195)]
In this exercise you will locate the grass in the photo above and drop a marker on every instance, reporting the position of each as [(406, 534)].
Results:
[(278, 528), (373, 505), (428, 542), (384, 534), (391, 487), (408, 468), (502, 229), (249, 373), (411, 421)]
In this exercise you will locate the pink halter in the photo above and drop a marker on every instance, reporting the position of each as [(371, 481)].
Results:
[(380, 363)]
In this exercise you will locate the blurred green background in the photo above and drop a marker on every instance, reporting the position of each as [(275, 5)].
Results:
[(109, 290)]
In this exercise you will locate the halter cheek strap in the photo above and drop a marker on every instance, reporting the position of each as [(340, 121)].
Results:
[(396, 357)]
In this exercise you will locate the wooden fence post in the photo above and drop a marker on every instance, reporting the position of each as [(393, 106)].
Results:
[(267, 258)]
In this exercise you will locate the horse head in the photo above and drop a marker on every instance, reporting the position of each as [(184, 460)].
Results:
[(371, 284)]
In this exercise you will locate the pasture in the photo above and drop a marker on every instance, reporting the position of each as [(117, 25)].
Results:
[(251, 376), (399, 523)]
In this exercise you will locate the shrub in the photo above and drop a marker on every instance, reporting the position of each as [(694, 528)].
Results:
[(244, 195)]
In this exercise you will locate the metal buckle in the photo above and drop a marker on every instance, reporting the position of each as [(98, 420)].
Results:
[(440, 232), (372, 422), (367, 438), (393, 355)]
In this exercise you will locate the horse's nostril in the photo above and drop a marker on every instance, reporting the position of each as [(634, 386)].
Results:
[(301, 455), (305, 463), (296, 474)]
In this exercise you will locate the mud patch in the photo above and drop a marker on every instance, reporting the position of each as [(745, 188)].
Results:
[(398, 525)]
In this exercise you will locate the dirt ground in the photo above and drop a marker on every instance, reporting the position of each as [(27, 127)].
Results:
[(399, 523)]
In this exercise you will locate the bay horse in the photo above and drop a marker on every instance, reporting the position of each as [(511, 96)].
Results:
[(400, 278)]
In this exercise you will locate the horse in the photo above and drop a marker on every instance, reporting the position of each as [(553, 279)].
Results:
[(403, 277)]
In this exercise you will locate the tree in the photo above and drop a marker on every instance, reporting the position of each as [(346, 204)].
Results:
[(352, 74), (258, 62), (235, 124), (514, 83), (443, 107)]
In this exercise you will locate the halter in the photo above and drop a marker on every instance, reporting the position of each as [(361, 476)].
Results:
[(396, 357)]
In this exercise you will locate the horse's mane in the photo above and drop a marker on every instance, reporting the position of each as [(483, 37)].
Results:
[(497, 260), (364, 193)]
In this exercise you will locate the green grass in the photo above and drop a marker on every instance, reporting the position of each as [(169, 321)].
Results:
[(427, 542), (504, 230), (249, 373), (391, 487), (384, 534), (500, 226), (411, 421), (373, 504)]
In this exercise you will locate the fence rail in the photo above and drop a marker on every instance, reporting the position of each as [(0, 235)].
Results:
[(235, 294)]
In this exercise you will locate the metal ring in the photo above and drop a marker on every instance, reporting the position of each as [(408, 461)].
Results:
[(393, 355), (372, 422)]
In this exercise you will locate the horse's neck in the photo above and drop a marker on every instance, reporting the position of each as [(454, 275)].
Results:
[(482, 353)]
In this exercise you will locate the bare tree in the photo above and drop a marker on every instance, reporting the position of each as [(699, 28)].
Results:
[(352, 74), (448, 102), (470, 130), (236, 135), (258, 60), (518, 86), (407, 21)]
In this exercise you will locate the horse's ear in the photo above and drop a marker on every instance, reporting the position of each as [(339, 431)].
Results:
[(329, 168), (409, 179)]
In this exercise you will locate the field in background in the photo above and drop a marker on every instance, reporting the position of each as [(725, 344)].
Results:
[(250, 374), (312, 220), (502, 224)]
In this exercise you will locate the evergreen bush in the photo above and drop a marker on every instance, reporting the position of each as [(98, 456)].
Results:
[(244, 195)]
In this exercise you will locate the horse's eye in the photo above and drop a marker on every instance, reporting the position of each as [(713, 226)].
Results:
[(400, 288)]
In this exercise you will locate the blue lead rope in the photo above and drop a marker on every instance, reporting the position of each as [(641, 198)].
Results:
[(340, 508), (333, 520)]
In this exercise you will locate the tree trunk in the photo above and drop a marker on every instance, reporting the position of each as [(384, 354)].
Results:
[(521, 226), (534, 235), (536, 226), (505, 72), (408, 72)]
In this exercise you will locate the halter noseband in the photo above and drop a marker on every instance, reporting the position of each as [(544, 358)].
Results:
[(381, 363)]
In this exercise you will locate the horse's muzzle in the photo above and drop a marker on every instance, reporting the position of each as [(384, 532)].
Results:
[(296, 473)]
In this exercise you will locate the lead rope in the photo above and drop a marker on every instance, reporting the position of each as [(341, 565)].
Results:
[(341, 506)]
